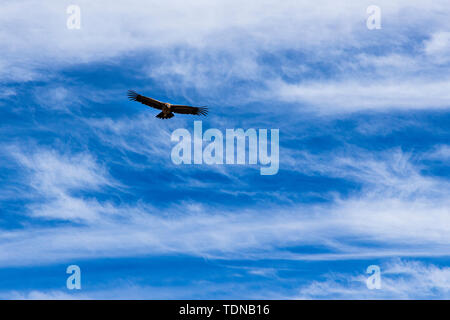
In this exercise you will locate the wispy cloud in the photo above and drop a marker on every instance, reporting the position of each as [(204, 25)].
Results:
[(390, 172), (401, 279), (385, 215), (214, 45), (438, 46), (54, 177), (350, 96)]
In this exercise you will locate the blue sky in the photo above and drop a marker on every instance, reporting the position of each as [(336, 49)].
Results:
[(86, 175)]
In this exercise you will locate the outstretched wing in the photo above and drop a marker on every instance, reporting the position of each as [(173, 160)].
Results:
[(199, 111), (132, 95)]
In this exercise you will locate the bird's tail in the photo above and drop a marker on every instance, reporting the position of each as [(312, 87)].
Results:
[(162, 115)]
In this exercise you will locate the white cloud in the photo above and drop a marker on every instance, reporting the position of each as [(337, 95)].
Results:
[(438, 46), (137, 134), (43, 295), (204, 45), (399, 212), (390, 173), (399, 280), (57, 98), (440, 153), (54, 176), (350, 96), (53, 172), (120, 289)]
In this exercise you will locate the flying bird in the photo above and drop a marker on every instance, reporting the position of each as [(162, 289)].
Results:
[(167, 109)]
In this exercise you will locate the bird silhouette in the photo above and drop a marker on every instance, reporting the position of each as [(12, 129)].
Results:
[(167, 109)]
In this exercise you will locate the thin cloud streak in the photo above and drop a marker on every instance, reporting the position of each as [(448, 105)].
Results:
[(401, 279), (393, 221)]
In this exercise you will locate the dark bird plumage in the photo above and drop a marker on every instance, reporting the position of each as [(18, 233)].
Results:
[(167, 109)]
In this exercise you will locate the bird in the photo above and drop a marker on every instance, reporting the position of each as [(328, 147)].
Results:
[(167, 109)]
